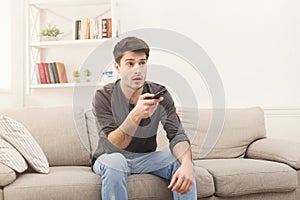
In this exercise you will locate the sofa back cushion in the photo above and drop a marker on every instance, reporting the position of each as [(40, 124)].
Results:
[(239, 128), (227, 135), (92, 130), (63, 141)]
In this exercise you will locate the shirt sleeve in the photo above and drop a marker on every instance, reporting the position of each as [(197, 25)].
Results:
[(171, 122), (103, 114)]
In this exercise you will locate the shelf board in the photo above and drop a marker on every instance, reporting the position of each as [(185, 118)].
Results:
[(46, 4), (66, 85), (67, 43)]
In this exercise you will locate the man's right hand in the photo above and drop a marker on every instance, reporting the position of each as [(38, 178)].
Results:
[(144, 107)]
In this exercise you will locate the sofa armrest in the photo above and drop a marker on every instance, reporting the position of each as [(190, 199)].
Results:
[(275, 150)]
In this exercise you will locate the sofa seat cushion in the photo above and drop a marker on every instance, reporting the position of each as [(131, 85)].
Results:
[(7, 175), (61, 183), (79, 183), (204, 182), (234, 177), (1, 194), (147, 186)]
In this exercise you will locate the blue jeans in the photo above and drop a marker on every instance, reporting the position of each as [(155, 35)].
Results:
[(114, 168)]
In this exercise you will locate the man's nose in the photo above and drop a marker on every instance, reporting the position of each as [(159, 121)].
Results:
[(137, 69)]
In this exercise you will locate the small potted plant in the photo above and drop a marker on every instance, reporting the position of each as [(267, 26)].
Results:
[(87, 75), (50, 33), (76, 76)]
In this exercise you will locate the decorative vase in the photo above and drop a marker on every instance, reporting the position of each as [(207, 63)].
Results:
[(76, 79), (87, 78), (48, 38)]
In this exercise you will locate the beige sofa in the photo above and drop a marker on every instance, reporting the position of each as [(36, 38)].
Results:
[(243, 164)]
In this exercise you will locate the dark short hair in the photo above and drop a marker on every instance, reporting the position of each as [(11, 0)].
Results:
[(132, 44)]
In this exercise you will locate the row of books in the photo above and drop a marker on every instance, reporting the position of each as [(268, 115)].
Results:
[(48, 73), (92, 28)]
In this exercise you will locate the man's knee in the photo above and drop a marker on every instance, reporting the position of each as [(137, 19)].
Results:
[(115, 177), (115, 162)]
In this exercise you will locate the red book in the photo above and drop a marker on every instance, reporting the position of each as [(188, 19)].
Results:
[(46, 73), (42, 73)]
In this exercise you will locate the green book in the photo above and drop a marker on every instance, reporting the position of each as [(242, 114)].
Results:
[(51, 74)]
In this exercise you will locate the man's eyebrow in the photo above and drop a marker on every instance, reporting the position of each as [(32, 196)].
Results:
[(132, 59), (129, 59)]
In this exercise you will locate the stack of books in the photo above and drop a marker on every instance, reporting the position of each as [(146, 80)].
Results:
[(92, 28), (49, 73)]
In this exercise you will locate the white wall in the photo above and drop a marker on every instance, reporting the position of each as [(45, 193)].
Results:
[(14, 97), (254, 44), (283, 123)]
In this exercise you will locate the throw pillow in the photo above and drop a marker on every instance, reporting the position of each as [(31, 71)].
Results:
[(11, 157), (7, 175), (19, 137)]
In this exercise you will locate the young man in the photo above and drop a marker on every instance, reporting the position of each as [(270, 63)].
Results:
[(128, 119)]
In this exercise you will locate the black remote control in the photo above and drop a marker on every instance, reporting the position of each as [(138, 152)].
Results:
[(158, 94)]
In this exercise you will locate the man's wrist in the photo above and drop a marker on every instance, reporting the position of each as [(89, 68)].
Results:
[(187, 162), (129, 126), (135, 117)]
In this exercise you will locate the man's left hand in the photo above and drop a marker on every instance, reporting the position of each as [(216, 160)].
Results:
[(182, 181)]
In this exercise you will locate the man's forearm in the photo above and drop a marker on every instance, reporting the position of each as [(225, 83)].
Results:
[(182, 151), (119, 138), (183, 179), (122, 136)]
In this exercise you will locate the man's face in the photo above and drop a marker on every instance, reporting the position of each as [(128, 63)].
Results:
[(132, 69)]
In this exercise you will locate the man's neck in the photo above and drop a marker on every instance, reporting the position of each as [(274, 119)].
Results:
[(131, 94)]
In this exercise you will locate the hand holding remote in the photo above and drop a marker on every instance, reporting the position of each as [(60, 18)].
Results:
[(158, 94)]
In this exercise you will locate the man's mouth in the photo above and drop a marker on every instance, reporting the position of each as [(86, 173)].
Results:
[(137, 79)]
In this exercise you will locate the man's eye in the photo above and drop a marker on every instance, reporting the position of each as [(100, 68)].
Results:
[(130, 64), (142, 63)]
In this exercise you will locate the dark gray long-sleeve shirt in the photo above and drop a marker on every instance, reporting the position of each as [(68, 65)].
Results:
[(111, 107)]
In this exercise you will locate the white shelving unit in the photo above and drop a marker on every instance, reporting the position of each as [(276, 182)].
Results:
[(65, 49), (68, 43), (66, 85), (48, 4)]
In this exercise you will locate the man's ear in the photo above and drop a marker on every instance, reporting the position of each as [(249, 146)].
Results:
[(117, 67)]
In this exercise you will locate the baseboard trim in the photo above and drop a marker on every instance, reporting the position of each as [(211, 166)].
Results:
[(282, 112)]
